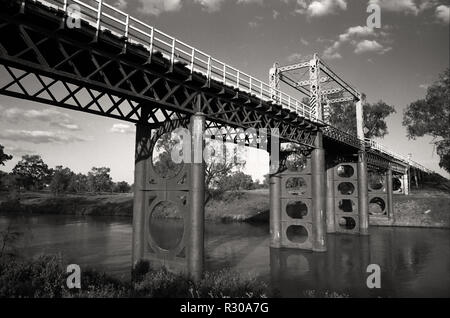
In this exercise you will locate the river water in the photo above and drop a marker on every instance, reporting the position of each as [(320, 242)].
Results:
[(414, 262)]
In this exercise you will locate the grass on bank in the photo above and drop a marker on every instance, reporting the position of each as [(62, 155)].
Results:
[(45, 277)]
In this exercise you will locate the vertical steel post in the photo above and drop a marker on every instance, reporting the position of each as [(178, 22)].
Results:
[(331, 226), (389, 190), (195, 244), (363, 195), (359, 119), (318, 195), (142, 159), (275, 210)]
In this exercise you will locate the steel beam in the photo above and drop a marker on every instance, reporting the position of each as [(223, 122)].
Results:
[(318, 195), (195, 245), (390, 197), (363, 197), (331, 224), (275, 211)]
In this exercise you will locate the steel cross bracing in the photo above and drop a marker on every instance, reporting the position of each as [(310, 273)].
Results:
[(98, 77), (120, 67)]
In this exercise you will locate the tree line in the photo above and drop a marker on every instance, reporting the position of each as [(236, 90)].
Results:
[(31, 173)]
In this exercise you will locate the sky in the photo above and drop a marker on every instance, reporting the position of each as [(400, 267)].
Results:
[(394, 63)]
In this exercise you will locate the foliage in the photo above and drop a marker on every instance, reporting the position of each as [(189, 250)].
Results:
[(8, 238), (78, 183), (3, 156), (32, 172), (99, 180), (45, 277), (343, 116), (431, 116), (235, 182), (61, 179), (122, 187)]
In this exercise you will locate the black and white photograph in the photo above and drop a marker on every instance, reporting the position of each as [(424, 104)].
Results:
[(224, 156)]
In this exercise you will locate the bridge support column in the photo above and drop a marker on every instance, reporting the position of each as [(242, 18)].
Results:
[(405, 183), (195, 244), (389, 190), (318, 195), (142, 159), (330, 219), (363, 197), (275, 210)]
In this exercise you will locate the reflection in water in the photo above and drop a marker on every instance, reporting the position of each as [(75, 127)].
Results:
[(414, 262)]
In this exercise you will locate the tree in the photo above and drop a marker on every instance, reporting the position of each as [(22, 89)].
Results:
[(122, 187), (60, 180), (3, 156), (32, 172), (343, 116), (99, 180), (431, 116), (78, 183)]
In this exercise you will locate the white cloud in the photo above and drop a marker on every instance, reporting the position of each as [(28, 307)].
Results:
[(304, 42), (275, 14), (294, 57), (39, 136), (404, 6), (120, 4), (331, 53), (122, 129), (356, 31), (210, 5), (319, 8), (18, 151), (51, 116), (157, 7), (260, 2), (357, 37), (370, 46), (443, 13)]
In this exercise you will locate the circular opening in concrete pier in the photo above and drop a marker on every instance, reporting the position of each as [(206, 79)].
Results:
[(346, 188), (165, 224), (162, 161), (347, 205), (345, 171), (376, 182), (296, 186), (297, 234), (297, 209), (377, 206), (347, 223)]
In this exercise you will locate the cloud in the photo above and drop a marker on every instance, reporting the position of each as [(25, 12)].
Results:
[(120, 4), (156, 7), (18, 151), (122, 129), (404, 6), (51, 116), (39, 136), (443, 13), (210, 5), (331, 53), (260, 2), (275, 14), (370, 46), (424, 86), (294, 57), (304, 42), (359, 38), (320, 8)]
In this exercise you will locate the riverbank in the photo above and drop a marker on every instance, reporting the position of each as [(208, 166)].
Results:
[(428, 207), (246, 206)]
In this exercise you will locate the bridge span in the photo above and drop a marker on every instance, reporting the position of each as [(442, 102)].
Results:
[(113, 65)]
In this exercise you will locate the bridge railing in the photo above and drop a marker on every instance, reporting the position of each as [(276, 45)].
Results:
[(104, 16), (377, 146)]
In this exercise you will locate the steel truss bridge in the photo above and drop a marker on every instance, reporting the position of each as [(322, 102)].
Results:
[(116, 66)]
